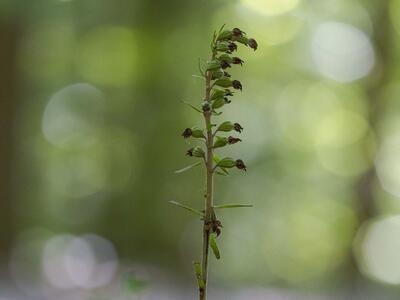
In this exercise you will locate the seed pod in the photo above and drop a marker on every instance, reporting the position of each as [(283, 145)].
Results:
[(237, 127), (240, 165), (213, 65), (237, 61), (224, 82), (253, 44), (217, 74), (227, 162), (226, 126), (218, 103), (236, 84), (232, 140), (220, 142), (225, 35)]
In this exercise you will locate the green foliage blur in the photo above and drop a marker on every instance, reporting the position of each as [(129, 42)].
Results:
[(91, 114)]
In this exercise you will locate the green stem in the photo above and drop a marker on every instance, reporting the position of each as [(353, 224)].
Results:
[(208, 202)]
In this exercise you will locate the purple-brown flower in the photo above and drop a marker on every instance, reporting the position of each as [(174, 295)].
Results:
[(252, 44), (240, 165), (232, 140), (187, 133), (225, 64), (237, 61), (232, 47), (237, 127), (237, 32), (237, 85)]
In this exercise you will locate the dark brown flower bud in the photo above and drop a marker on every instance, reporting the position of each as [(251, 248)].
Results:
[(237, 85), (189, 152), (240, 165), (237, 127), (232, 47), (237, 32), (237, 61), (232, 140), (253, 44), (225, 64), (216, 227), (187, 133)]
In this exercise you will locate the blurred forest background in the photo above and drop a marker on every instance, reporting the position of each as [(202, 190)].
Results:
[(90, 124)]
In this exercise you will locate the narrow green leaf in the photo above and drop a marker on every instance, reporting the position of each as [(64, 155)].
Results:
[(232, 205), (198, 76), (188, 167), (195, 211), (197, 272), (214, 246), (221, 173), (192, 106)]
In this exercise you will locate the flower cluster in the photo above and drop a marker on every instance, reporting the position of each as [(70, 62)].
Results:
[(224, 44)]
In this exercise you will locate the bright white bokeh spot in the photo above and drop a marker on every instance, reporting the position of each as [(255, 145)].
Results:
[(73, 116), (342, 52), (380, 250), (87, 262), (271, 7), (387, 165)]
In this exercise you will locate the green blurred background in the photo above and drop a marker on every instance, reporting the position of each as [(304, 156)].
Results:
[(90, 124)]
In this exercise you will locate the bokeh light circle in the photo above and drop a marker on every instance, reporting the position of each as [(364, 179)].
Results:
[(271, 7), (342, 52), (378, 249)]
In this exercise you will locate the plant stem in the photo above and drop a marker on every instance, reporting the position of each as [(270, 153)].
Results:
[(208, 203)]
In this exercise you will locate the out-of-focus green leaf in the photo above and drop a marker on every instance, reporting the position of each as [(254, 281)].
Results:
[(214, 246), (187, 168), (132, 284), (195, 211)]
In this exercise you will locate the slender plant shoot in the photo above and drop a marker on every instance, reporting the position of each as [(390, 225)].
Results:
[(218, 89)]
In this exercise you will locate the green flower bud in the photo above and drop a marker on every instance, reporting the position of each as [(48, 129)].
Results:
[(197, 133), (242, 39), (226, 58), (225, 35), (218, 103), (196, 152), (226, 126), (227, 162), (217, 74), (224, 82), (220, 142), (213, 65), (216, 94)]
